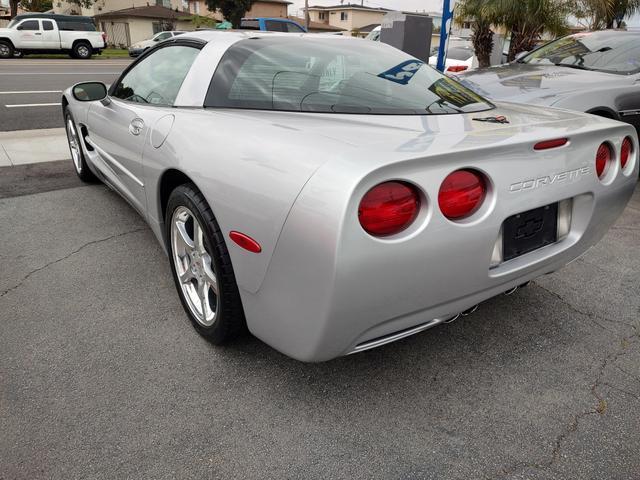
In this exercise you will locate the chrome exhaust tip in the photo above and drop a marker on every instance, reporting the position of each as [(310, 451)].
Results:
[(469, 311), (511, 291), (452, 319)]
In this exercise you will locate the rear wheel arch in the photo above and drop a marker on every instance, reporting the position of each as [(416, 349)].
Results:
[(604, 112)]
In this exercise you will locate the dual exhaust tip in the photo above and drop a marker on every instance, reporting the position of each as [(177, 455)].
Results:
[(469, 311)]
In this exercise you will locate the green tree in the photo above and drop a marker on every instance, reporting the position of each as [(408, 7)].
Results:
[(477, 13), (232, 10), (605, 13), (36, 5), (527, 20)]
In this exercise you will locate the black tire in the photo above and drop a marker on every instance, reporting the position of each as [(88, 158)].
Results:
[(229, 321), (82, 51), (82, 169), (6, 49)]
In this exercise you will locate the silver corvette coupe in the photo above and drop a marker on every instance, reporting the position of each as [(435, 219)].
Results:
[(332, 194)]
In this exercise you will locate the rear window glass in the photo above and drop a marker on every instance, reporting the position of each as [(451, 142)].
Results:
[(250, 24), (460, 53), (318, 74), (78, 26)]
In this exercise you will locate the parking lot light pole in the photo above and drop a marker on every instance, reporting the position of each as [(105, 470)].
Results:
[(447, 17)]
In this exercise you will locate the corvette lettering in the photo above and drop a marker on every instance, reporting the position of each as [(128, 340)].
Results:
[(562, 177)]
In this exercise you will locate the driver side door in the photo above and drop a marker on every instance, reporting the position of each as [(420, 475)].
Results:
[(120, 127)]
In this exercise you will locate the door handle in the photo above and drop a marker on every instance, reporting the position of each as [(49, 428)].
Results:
[(136, 126), (38, 33)]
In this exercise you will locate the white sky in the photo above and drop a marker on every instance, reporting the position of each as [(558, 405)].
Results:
[(407, 5)]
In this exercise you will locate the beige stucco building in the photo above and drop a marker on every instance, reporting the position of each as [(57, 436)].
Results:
[(350, 17), (129, 21)]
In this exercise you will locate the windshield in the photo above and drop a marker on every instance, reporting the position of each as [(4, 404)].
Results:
[(334, 76), (13, 22), (460, 53), (606, 51)]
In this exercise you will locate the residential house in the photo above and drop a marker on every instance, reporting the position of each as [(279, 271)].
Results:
[(260, 8), (130, 25), (349, 16), (317, 27)]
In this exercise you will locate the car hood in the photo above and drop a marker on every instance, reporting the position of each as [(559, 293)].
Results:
[(143, 44), (5, 30), (540, 84)]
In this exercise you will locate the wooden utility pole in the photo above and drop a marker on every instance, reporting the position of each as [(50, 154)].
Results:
[(306, 14)]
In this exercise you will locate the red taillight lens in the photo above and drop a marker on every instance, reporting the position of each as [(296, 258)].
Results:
[(457, 68), (603, 158), (388, 208), (461, 194), (625, 152)]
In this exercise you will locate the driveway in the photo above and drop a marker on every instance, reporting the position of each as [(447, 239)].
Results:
[(103, 377)]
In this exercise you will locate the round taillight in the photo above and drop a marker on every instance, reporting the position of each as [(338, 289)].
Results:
[(625, 152), (603, 158), (388, 208), (461, 194)]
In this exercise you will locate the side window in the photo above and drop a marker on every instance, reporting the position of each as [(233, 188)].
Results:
[(162, 36), (29, 25), (47, 25), (293, 28), (157, 79), (273, 26)]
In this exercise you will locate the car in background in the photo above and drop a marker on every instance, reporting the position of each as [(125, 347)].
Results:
[(51, 33), (268, 24), (139, 47), (431, 199), (460, 57), (593, 72), (374, 35)]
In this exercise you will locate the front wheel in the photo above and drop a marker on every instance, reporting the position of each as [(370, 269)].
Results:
[(201, 266), (6, 49), (75, 147)]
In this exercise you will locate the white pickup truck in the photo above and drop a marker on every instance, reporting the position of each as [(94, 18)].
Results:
[(51, 33)]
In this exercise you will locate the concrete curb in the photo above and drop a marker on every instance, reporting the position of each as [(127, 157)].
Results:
[(23, 147)]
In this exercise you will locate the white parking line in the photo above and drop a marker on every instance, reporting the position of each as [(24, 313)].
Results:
[(30, 91), (34, 105)]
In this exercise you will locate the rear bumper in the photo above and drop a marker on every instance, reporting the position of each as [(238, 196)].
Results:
[(331, 289)]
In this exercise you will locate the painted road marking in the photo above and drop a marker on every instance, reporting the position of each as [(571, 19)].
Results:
[(34, 105), (30, 91)]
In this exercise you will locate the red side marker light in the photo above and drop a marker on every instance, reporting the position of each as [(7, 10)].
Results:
[(457, 68), (547, 144), (245, 242)]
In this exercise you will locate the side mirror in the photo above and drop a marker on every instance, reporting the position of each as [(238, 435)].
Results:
[(157, 39), (89, 91), (20, 27)]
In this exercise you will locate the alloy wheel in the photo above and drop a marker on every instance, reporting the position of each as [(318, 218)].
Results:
[(74, 145), (194, 266)]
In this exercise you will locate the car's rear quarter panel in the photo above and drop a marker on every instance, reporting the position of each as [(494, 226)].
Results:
[(331, 286)]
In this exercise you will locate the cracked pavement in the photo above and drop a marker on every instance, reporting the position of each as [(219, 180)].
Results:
[(103, 377)]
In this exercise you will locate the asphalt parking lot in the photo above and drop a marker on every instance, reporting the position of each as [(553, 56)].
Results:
[(30, 89), (103, 377)]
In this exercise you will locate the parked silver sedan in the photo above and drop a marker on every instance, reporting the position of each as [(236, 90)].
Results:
[(594, 72), (334, 195)]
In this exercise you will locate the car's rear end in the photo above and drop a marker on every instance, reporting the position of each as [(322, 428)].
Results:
[(428, 220)]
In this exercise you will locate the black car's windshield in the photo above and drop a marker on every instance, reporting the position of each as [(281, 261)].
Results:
[(334, 76), (606, 51)]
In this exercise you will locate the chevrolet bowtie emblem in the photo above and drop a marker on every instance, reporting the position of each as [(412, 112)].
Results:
[(498, 119)]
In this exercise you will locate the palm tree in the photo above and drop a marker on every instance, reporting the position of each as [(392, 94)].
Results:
[(475, 11), (527, 20), (606, 13)]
